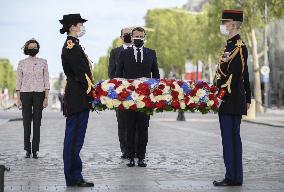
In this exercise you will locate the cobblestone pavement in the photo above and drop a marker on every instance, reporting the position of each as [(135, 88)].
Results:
[(182, 156)]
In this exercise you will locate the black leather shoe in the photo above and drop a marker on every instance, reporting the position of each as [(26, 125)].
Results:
[(131, 162), (223, 183), (141, 163), (83, 183), (123, 156), (28, 154), (35, 156)]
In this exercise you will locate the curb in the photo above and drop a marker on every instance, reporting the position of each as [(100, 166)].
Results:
[(263, 123)]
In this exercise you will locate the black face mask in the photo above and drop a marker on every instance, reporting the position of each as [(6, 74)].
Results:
[(32, 52), (127, 38), (138, 42)]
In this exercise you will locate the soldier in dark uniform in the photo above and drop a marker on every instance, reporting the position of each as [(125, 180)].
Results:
[(77, 69), (232, 78), (113, 62)]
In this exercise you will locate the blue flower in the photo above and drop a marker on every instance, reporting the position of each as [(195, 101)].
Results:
[(129, 98), (112, 94), (185, 88)]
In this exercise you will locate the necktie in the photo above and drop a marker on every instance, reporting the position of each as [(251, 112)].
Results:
[(138, 55)]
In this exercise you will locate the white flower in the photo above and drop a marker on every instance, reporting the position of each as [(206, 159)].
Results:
[(127, 104), (201, 93), (116, 103), (104, 99), (140, 104), (210, 103), (182, 105), (195, 99)]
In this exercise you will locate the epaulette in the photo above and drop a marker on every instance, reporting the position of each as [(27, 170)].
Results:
[(70, 44)]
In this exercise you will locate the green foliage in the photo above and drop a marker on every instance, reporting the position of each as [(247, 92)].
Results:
[(101, 68), (171, 36), (7, 75), (178, 35)]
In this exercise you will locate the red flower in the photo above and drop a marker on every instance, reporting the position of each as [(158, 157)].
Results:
[(157, 92), (123, 95), (120, 107), (168, 81), (143, 89), (180, 82), (161, 86), (211, 96), (100, 92), (131, 87), (214, 106), (173, 86), (175, 104), (148, 102), (174, 94), (130, 80), (202, 105), (161, 104), (116, 82), (133, 107), (213, 89), (186, 99), (192, 105), (193, 92)]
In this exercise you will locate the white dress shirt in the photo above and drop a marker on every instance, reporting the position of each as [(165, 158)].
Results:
[(126, 46), (135, 53)]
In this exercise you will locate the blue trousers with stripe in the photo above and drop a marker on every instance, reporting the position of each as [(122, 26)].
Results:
[(76, 126), (232, 147)]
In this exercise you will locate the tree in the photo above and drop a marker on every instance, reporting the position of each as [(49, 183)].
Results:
[(7, 75), (101, 68), (170, 36)]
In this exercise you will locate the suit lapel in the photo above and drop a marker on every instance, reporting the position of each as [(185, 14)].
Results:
[(145, 54)]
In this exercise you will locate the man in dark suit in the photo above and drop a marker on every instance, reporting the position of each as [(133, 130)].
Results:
[(232, 78), (137, 62), (77, 69), (125, 36)]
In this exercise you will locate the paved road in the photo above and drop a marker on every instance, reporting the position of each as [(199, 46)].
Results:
[(182, 156)]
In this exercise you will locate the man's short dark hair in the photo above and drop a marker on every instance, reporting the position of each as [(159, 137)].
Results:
[(27, 45), (140, 29)]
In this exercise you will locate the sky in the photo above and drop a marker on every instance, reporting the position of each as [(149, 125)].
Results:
[(21, 20)]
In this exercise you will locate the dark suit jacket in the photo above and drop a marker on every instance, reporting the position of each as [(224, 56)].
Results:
[(233, 76), (76, 67), (113, 61), (128, 68)]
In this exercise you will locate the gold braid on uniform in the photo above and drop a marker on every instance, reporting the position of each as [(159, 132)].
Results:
[(89, 80), (238, 48), (90, 84), (228, 84)]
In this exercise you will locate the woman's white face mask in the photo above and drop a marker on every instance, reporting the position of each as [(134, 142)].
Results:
[(81, 32)]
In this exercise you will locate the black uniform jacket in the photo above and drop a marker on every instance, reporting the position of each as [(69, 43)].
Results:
[(77, 69), (232, 75), (113, 61)]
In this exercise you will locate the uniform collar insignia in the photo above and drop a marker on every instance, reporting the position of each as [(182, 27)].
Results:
[(70, 44)]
